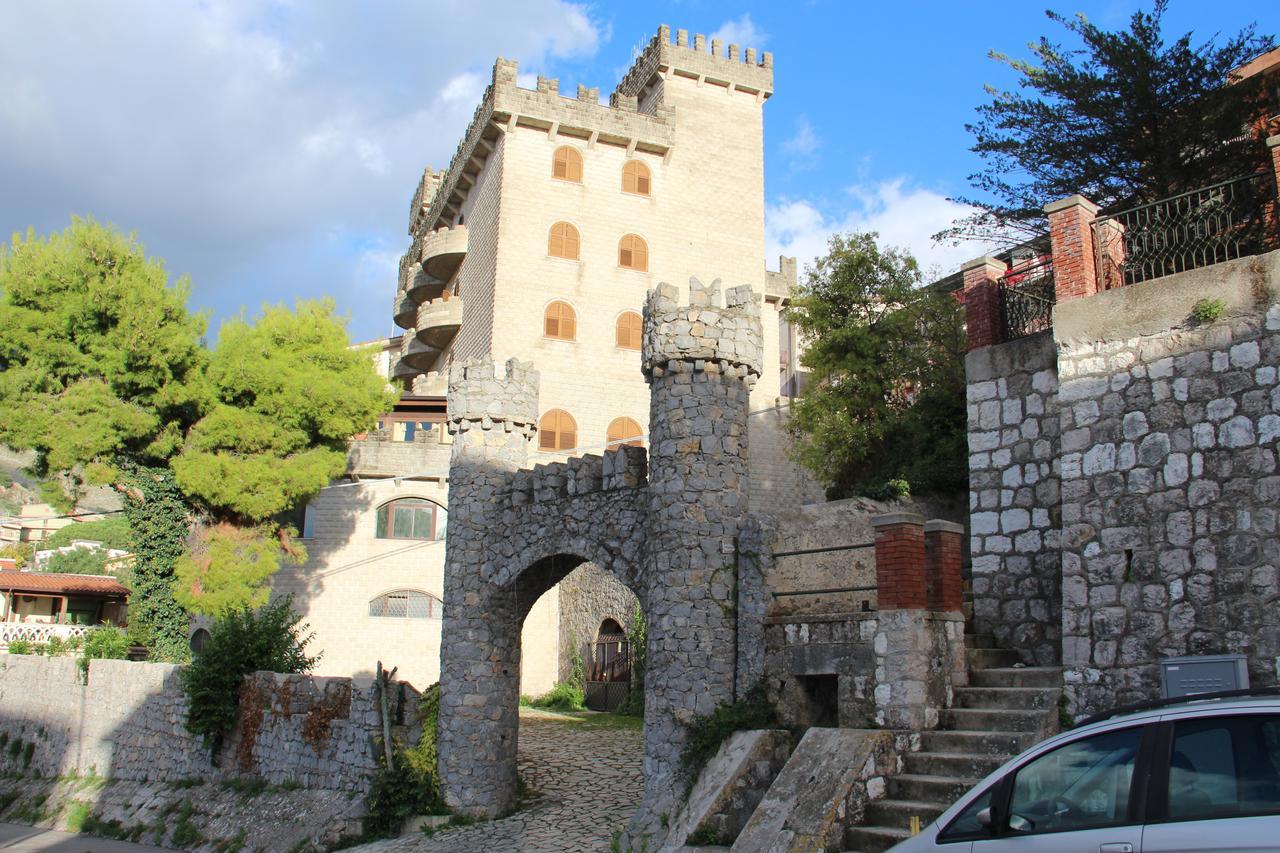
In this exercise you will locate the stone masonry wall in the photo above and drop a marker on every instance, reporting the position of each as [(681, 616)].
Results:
[(129, 723), (588, 596), (1169, 480), (1014, 495)]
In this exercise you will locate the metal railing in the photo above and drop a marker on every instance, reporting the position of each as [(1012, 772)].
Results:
[(1196, 229), (1027, 297)]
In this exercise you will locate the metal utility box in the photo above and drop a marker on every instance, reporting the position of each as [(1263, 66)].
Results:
[(1189, 676)]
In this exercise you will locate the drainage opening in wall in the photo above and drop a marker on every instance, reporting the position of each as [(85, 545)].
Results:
[(822, 705)]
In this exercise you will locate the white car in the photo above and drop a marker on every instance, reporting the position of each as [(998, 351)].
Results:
[(1191, 774)]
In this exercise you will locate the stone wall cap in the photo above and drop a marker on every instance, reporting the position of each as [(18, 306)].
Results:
[(897, 518), (985, 260), (941, 525), (1072, 201), (1273, 141)]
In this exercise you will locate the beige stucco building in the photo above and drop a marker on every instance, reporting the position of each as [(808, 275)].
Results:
[(539, 241)]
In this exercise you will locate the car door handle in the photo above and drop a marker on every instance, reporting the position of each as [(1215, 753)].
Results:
[(1118, 847)]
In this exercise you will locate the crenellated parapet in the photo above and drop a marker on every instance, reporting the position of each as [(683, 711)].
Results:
[(481, 397), (621, 468), (725, 65), (703, 334)]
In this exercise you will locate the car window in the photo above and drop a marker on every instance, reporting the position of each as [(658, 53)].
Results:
[(966, 823), (1080, 785), (1225, 766)]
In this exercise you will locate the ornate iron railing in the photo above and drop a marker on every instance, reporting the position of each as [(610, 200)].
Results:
[(1196, 229), (1027, 297)]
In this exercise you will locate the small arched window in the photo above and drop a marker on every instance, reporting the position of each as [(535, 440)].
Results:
[(566, 164), (625, 431), (635, 178), (559, 321), (407, 604), (557, 431), (411, 518), (633, 253), (199, 639), (630, 330), (563, 241)]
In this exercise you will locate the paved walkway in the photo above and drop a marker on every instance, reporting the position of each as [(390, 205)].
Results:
[(15, 838), (586, 778)]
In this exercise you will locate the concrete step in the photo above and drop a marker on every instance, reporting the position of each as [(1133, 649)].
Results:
[(1008, 698), (990, 658), (943, 790), (898, 813), (976, 743), (873, 839), (1021, 676), (979, 641), (960, 766), (993, 720)]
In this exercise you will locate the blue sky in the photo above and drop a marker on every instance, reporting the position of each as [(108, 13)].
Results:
[(270, 149)]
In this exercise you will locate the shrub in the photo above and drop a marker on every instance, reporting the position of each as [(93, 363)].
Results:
[(241, 642), (113, 532), (706, 734), (565, 696), (103, 643), (20, 552), (1208, 310), (80, 561), (20, 647)]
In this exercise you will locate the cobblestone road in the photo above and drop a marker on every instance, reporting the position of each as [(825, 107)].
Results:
[(587, 781)]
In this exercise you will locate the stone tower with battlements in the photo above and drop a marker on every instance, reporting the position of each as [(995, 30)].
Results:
[(670, 530)]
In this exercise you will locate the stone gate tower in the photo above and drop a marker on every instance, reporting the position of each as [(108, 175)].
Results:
[(671, 533)]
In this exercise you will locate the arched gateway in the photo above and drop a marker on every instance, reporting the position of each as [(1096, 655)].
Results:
[(671, 527)]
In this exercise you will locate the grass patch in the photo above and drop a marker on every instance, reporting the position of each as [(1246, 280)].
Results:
[(185, 833), (247, 788), (707, 733), (563, 697), (77, 814)]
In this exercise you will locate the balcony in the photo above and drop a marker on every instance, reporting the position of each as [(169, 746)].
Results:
[(38, 632), (400, 370), (417, 355), (377, 455), (438, 321), (443, 251), (405, 313)]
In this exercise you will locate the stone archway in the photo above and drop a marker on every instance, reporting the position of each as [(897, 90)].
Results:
[(667, 524)]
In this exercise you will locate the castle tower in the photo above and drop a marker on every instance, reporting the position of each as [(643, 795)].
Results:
[(492, 417), (700, 361)]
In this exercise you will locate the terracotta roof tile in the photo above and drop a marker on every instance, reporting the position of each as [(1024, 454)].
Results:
[(61, 584)]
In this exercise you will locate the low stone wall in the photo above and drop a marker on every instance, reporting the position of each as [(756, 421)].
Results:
[(128, 722)]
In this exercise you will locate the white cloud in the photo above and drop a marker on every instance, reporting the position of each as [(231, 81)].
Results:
[(237, 137), (742, 32), (802, 147), (904, 216)]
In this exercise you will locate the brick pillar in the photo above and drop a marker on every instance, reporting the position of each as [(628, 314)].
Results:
[(900, 561), (1071, 234), (982, 301), (943, 556), (1273, 143)]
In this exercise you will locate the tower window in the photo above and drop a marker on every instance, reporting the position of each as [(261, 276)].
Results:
[(633, 253), (625, 431), (566, 164), (630, 330), (557, 431), (560, 322), (411, 518), (563, 242), (407, 604), (635, 178)]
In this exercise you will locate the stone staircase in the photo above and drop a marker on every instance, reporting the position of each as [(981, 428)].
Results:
[(1004, 710)]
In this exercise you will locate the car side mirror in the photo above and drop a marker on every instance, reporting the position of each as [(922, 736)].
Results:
[(984, 818)]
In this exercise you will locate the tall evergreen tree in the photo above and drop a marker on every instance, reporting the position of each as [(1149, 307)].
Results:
[(1127, 118)]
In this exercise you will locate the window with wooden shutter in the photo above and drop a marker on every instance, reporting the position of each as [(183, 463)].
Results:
[(557, 431), (560, 322), (625, 431), (633, 253), (563, 242), (635, 178), (566, 164), (630, 330)]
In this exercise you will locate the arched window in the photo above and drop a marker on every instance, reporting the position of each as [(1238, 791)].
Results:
[(566, 164), (557, 431), (559, 321), (625, 431), (407, 604), (630, 330), (198, 640), (633, 253), (411, 518), (635, 178), (563, 242)]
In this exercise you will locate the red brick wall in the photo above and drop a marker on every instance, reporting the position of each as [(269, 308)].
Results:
[(944, 557), (900, 562), (982, 302), (1072, 239)]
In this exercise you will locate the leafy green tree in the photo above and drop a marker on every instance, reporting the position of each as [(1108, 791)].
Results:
[(104, 373), (78, 561), (885, 400), (1127, 118), (112, 532)]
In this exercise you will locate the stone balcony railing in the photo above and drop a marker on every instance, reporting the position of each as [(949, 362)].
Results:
[(376, 455), (417, 355), (38, 632), (443, 251), (438, 321), (405, 312)]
